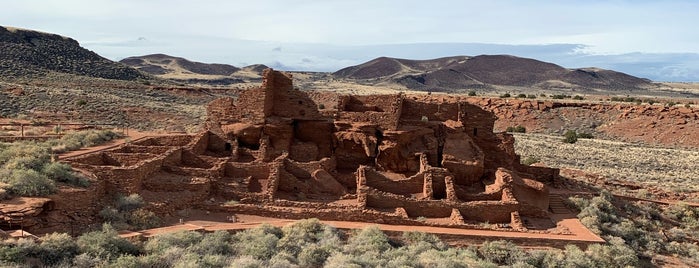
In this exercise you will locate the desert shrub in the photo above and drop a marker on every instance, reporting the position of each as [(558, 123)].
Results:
[(501, 252), (681, 212), (129, 203), (578, 97), (11, 253), (339, 259), (472, 93), (670, 103), (142, 219), (570, 136), (321, 106), (213, 260), (584, 135), (62, 172), (56, 248), (216, 243), (368, 239), (23, 155), (531, 96), (521, 95), (180, 239), (111, 215), (284, 260), (516, 129), (76, 140), (559, 97), (247, 262), (105, 244), (419, 238), (307, 232), (615, 254), (314, 255), (506, 95), (259, 243), (28, 183), (529, 160)]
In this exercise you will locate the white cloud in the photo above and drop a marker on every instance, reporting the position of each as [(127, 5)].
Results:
[(217, 30)]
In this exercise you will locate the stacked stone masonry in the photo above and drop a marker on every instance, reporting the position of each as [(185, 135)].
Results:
[(379, 158)]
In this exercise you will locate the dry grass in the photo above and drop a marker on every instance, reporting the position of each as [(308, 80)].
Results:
[(670, 169)]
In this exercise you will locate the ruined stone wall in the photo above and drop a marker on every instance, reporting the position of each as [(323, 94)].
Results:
[(128, 159), (408, 186), (414, 208), (221, 111), (414, 110), (473, 117), (376, 103), (242, 170), (174, 140), (190, 159), (177, 184), (136, 149), (95, 159), (488, 211), (295, 104), (304, 169), (385, 113)]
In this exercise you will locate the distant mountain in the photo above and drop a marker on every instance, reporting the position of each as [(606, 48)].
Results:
[(255, 68), (161, 64), (29, 53), (485, 71)]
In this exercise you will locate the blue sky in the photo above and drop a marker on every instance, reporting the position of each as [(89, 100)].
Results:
[(652, 39)]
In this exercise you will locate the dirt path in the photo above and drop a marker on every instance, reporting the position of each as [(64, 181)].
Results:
[(455, 236), (132, 136)]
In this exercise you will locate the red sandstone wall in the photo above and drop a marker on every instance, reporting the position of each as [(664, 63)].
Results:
[(408, 186)]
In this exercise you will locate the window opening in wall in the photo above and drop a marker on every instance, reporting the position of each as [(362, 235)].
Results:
[(475, 131)]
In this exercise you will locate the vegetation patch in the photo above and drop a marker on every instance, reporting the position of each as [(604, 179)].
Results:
[(306, 243), (27, 168)]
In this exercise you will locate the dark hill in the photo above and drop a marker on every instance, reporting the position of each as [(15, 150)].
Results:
[(30, 53), (462, 72), (159, 64)]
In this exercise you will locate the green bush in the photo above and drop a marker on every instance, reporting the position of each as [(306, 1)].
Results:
[(140, 219), (129, 203), (521, 95), (180, 239), (529, 160), (472, 93), (302, 233), (368, 239), (531, 96), (29, 183), (584, 135), (259, 243), (216, 243), (56, 248), (106, 244), (501, 252), (516, 129), (578, 97), (506, 95), (570, 136)]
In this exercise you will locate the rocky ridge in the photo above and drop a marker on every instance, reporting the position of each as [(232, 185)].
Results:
[(28, 53), (487, 72)]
